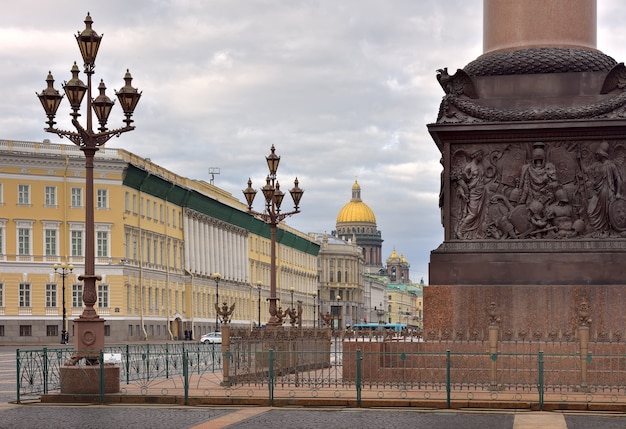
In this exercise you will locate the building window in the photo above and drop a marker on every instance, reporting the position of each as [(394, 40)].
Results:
[(77, 243), (23, 195), (52, 330), (26, 331), (24, 292), (1, 239), (102, 199), (103, 296), (77, 197), (102, 244), (128, 297), (51, 295), (148, 211), (161, 253), (154, 210), (1, 195), (107, 330), (127, 202), (23, 241), (134, 204), (50, 242), (1, 295), (1, 330), (77, 295), (50, 196)]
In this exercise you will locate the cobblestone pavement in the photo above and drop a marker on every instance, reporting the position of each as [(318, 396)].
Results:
[(150, 416)]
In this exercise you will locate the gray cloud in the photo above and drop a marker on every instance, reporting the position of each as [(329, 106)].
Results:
[(344, 89)]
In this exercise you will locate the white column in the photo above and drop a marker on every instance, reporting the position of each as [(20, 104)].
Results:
[(186, 235), (201, 248)]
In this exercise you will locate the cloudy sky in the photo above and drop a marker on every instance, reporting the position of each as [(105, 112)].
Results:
[(343, 89)]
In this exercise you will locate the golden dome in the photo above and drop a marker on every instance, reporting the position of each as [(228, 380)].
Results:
[(356, 211)]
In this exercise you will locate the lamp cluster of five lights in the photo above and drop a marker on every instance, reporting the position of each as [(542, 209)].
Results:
[(271, 190), (75, 89)]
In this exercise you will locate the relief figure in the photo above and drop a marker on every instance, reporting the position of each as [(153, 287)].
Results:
[(472, 192), (562, 192), (604, 183)]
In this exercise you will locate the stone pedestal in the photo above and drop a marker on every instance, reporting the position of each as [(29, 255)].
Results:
[(88, 337), (533, 191), (85, 379)]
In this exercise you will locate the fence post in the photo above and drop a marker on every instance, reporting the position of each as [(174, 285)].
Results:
[(147, 362), (359, 360), (101, 376), (448, 388), (583, 333), (540, 380), (167, 360), (186, 376), (17, 373), (270, 373), (45, 371), (127, 365), (493, 350)]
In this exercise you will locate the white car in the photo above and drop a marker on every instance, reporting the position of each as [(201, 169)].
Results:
[(211, 338)]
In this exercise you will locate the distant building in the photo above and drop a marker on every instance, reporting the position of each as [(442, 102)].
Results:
[(388, 294), (341, 286), (404, 301), (159, 238), (356, 222)]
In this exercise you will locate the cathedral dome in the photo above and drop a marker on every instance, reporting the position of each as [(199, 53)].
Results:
[(356, 211)]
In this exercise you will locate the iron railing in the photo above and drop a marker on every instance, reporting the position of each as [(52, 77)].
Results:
[(356, 377)]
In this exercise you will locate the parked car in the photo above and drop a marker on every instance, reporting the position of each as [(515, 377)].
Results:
[(211, 338)]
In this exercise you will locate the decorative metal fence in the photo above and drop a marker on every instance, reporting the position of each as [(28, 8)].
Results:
[(146, 368), (357, 374)]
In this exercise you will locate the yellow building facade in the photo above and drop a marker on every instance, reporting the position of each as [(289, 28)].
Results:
[(160, 238)]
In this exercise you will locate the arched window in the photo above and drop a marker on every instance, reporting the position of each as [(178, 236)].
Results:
[(338, 276)]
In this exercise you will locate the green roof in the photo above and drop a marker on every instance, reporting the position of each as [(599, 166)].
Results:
[(142, 180)]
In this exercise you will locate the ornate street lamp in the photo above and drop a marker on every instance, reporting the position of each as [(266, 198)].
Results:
[(258, 287), (217, 277), (272, 216), (291, 291), (66, 270), (89, 326)]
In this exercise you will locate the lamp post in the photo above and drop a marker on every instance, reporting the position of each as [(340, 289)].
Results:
[(217, 277), (338, 298), (258, 287), (65, 271), (314, 306), (272, 216), (291, 291), (90, 334)]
